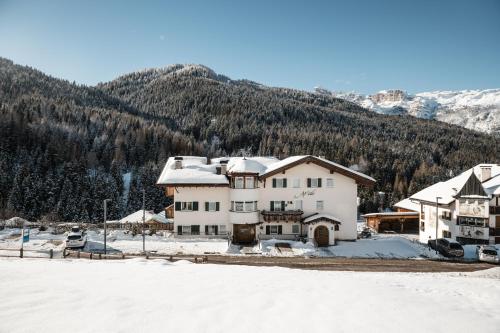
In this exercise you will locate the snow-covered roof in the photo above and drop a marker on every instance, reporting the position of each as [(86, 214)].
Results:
[(160, 217), (296, 159), (408, 204), (137, 217), (492, 186), (448, 189), (195, 170), (318, 217), (392, 214)]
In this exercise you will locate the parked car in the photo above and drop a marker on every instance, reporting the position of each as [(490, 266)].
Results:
[(488, 253), (447, 247), (366, 233), (76, 238)]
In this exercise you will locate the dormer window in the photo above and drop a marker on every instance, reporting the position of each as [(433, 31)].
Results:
[(241, 182)]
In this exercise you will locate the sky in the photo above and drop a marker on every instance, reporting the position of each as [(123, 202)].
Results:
[(362, 46)]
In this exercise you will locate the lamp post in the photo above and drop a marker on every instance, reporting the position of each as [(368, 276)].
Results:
[(437, 221), (105, 212), (143, 220), (382, 197)]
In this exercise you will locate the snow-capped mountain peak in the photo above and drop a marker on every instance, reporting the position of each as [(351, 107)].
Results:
[(473, 109)]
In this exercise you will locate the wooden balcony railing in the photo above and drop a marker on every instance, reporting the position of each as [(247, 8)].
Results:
[(286, 215)]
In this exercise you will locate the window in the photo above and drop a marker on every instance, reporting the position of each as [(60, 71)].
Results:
[(195, 230), (295, 228), (313, 182), (279, 182), (186, 229), (211, 230), (277, 206), (298, 204), (238, 206), (186, 206), (222, 229), (319, 205), (422, 226), (212, 206), (249, 182), (472, 221), (238, 182), (329, 182), (249, 206), (446, 234), (296, 182), (243, 206), (274, 229)]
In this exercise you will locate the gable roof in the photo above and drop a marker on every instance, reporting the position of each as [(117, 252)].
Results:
[(290, 162), (465, 184), (408, 204)]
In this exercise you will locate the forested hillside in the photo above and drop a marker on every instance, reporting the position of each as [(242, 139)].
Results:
[(64, 147)]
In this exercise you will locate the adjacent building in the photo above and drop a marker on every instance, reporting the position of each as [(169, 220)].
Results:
[(252, 198), (465, 208)]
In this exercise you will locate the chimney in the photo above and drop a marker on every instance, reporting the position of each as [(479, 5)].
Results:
[(485, 173), (178, 162), (223, 167)]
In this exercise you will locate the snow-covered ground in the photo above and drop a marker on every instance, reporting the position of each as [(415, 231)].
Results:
[(379, 246), (158, 296)]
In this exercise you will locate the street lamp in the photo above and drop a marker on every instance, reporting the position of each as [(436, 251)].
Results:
[(382, 197), (105, 212), (437, 220), (143, 220)]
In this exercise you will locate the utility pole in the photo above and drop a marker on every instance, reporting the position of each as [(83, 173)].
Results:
[(105, 217), (437, 221), (143, 220)]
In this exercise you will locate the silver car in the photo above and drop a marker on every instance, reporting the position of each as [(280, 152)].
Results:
[(488, 253)]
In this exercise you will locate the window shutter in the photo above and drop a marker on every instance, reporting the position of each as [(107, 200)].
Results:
[(319, 182), (216, 229), (308, 182), (195, 205), (274, 182), (268, 230), (177, 205), (206, 206), (217, 206), (206, 230), (282, 205), (272, 206), (284, 182), (280, 229), (179, 229)]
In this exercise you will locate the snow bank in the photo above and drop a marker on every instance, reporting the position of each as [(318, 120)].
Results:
[(155, 296)]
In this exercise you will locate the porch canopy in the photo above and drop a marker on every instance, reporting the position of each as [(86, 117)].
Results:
[(321, 218)]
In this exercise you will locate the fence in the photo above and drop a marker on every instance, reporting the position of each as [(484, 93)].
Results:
[(24, 253)]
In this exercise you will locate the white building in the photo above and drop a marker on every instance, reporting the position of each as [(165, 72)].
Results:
[(466, 207), (252, 198)]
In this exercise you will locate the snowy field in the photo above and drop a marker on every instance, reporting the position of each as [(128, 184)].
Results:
[(158, 296)]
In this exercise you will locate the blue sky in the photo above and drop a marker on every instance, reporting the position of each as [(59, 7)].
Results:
[(362, 46)]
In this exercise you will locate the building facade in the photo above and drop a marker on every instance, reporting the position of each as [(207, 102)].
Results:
[(253, 198), (465, 208)]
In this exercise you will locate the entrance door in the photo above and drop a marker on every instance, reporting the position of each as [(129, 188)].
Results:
[(243, 233), (321, 235)]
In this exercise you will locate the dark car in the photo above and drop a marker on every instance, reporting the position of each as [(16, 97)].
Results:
[(447, 247)]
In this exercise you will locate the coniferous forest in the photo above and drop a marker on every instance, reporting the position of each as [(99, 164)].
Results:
[(64, 147)]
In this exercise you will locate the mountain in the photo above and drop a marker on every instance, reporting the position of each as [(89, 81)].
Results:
[(66, 147), (474, 109)]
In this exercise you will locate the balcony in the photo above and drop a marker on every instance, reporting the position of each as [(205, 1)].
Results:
[(286, 215)]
